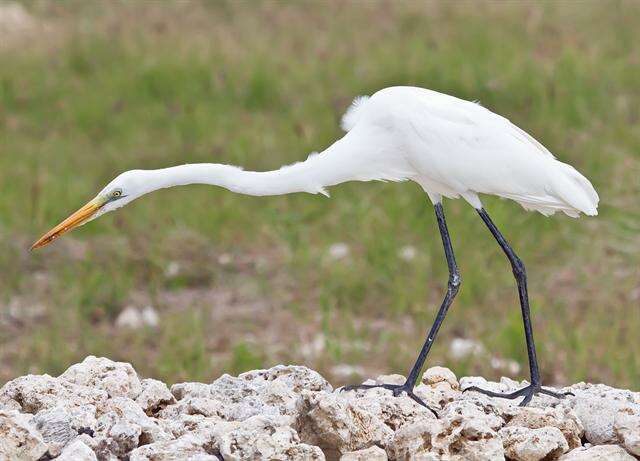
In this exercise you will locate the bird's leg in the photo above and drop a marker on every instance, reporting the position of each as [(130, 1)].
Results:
[(452, 289), (521, 279)]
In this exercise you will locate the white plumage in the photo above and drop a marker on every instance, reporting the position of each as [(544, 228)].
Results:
[(457, 148), (450, 147)]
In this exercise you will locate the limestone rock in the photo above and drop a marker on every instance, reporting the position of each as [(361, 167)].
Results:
[(19, 438), (436, 375), (274, 392), (367, 454), (558, 417), (343, 421), (187, 447), (101, 410), (77, 451), (33, 393), (271, 392), (118, 379), (261, 437), (339, 423), (598, 453), (123, 425), (185, 390), (525, 444), (195, 406), (597, 407), (627, 429), (438, 387), (416, 440), (469, 433), (154, 396)]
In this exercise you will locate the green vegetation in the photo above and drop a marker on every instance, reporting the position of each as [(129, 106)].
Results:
[(90, 89)]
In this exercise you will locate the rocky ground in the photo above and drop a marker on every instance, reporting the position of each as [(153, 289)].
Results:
[(100, 409)]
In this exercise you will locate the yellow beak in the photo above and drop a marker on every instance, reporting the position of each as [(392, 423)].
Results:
[(76, 219)]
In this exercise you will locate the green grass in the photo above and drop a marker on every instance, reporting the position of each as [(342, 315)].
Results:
[(104, 87)]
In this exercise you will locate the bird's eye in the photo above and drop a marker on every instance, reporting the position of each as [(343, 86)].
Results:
[(116, 193)]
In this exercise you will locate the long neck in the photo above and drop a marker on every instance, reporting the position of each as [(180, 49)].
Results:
[(348, 159)]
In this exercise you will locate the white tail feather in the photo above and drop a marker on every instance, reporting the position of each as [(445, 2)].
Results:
[(576, 190)]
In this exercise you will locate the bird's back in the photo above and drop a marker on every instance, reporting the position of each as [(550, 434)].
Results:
[(459, 148)]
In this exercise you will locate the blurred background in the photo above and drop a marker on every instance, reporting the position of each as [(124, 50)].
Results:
[(193, 282)]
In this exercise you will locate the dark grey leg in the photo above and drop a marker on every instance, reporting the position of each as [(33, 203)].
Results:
[(521, 279), (453, 286), (452, 289)]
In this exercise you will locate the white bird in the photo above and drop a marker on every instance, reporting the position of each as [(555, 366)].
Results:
[(451, 147)]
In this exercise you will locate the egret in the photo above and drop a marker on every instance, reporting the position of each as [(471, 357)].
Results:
[(450, 147)]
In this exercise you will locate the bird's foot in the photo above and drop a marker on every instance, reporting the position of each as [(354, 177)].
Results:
[(396, 389), (527, 392)]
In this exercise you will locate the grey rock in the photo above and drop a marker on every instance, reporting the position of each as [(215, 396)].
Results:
[(55, 426)]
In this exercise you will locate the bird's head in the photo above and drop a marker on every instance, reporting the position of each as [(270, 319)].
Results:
[(122, 190)]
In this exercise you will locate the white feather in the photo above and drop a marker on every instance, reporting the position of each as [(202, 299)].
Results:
[(451, 147), (352, 115)]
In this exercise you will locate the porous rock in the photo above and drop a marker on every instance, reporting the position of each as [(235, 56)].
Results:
[(597, 407), (561, 418), (77, 450), (345, 421), (416, 440), (598, 453), (154, 396), (271, 392), (373, 453), (19, 438), (264, 437), (102, 410), (33, 393), (627, 428), (525, 444), (187, 447), (338, 423), (118, 379), (439, 386), (468, 432), (123, 424)]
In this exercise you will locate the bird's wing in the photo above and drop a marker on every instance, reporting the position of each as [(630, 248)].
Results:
[(472, 118), (471, 150)]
